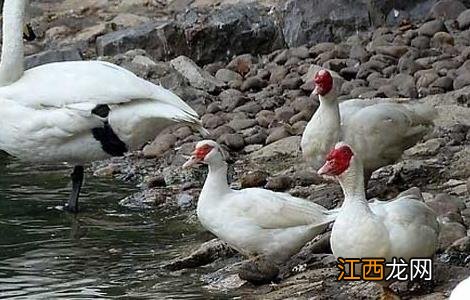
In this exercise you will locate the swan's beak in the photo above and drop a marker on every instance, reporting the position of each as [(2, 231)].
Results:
[(28, 33), (193, 161), (326, 169)]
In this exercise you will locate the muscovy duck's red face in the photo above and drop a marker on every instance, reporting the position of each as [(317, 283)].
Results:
[(199, 154), (337, 161), (323, 82)]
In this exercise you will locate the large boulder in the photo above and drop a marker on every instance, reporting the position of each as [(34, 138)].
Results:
[(215, 34), (314, 21), (161, 40)]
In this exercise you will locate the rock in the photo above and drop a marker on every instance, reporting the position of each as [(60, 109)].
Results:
[(265, 118), (107, 171), (310, 21), (231, 99), (449, 233), (80, 5), (254, 179), (184, 200), (277, 74), (211, 121), (250, 108), (301, 52), (159, 146), (276, 134), (359, 52), (447, 9), (213, 108), (253, 83), (240, 124), (420, 42), (225, 75), (233, 140), (442, 40), (445, 83), (431, 27), (258, 138), (285, 147), (155, 181), (464, 19), (279, 183), (49, 56), (462, 80), (259, 271), (196, 76), (291, 82), (205, 254), (460, 245), (220, 131), (125, 20), (241, 64), (444, 205), (153, 37), (395, 51), (426, 79), (243, 27), (405, 85), (283, 113), (320, 48)]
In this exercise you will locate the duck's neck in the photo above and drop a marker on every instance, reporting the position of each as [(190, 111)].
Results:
[(216, 181), (352, 183), (12, 58)]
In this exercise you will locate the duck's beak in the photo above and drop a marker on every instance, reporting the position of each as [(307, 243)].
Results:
[(193, 161), (315, 92), (28, 33), (326, 169)]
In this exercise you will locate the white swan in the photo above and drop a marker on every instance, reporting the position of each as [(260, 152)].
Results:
[(76, 112)]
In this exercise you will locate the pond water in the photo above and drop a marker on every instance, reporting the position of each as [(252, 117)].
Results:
[(106, 251)]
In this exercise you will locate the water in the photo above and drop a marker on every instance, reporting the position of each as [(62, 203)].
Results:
[(107, 251)]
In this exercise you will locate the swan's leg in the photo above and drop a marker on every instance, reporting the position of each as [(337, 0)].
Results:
[(77, 180)]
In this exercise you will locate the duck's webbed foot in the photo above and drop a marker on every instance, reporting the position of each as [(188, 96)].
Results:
[(258, 271), (388, 294)]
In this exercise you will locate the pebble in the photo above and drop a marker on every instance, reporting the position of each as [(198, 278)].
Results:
[(279, 183), (253, 83), (254, 179), (464, 19), (277, 134), (233, 140)]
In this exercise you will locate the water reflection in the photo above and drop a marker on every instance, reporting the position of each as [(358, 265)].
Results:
[(105, 252)]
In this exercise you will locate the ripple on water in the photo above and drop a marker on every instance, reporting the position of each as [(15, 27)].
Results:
[(105, 252)]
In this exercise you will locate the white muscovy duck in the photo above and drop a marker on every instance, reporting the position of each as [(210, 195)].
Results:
[(404, 227), (254, 221), (461, 291), (76, 112), (379, 130)]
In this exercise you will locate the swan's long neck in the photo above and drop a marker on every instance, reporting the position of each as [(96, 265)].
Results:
[(216, 181), (12, 59), (352, 183)]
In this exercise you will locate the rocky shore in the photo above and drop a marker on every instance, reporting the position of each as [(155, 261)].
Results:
[(247, 69)]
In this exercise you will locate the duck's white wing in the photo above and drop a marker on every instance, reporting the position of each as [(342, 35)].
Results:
[(269, 210), (381, 132), (408, 219), (85, 84)]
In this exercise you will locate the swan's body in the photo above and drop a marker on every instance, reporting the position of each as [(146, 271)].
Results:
[(403, 228), (50, 114), (76, 112), (379, 130), (256, 221), (461, 291)]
